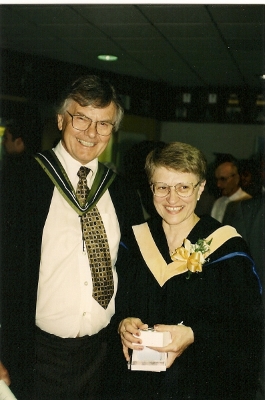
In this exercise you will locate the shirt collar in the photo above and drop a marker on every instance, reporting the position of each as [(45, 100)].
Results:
[(237, 195), (71, 165)]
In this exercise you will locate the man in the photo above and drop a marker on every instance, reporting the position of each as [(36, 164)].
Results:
[(23, 133), (14, 138), (53, 321), (228, 183), (20, 140), (17, 147)]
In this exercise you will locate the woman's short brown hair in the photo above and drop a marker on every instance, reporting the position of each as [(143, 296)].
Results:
[(177, 156)]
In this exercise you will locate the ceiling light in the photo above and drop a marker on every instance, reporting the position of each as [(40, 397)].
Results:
[(107, 57), (262, 76)]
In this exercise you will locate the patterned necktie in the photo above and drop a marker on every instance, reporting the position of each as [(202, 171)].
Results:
[(97, 246)]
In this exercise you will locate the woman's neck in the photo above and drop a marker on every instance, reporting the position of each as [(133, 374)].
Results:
[(176, 234)]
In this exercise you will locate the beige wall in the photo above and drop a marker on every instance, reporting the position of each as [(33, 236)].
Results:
[(238, 140)]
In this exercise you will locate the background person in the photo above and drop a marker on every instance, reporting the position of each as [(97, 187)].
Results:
[(250, 176), (54, 333), (209, 302), (249, 220), (22, 133), (14, 139), (21, 139), (228, 183)]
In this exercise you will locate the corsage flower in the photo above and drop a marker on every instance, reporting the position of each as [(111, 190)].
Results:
[(192, 254)]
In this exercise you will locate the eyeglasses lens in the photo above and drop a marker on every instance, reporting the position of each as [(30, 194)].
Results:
[(182, 189), (83, 123)]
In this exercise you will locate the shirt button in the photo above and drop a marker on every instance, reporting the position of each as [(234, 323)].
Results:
[(84, 313), (86, 283)]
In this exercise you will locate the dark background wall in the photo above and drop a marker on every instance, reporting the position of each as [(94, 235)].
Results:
[(31, 86), (29, 79)]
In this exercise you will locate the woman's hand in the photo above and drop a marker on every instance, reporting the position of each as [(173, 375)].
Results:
[(127, 328), (182, 337), (4, 375)]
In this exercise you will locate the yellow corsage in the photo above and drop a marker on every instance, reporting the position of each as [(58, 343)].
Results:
[(192, 254)]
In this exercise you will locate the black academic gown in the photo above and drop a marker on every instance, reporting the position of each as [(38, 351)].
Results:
[(222, 305), (24, 211), (249, 220)]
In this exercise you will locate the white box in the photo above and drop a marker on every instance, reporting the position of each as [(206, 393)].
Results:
[(149, 359), (153, 338)]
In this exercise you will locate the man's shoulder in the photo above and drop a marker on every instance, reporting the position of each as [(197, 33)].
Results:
[(126, 200), (19, 169), (253, 205), (241, 195), (120, 183)]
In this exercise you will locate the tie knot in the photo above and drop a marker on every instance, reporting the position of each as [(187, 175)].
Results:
[(82, 188), (83, 172)]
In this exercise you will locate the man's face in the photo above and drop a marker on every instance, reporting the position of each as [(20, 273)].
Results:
[(227, 179), (85, 146), (8, 143)]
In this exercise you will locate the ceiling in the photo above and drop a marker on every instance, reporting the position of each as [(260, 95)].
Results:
[(177, 44)]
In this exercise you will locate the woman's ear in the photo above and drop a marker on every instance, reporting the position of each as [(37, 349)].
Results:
[(201, 189)]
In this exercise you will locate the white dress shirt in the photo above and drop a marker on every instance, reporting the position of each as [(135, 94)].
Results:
[(65, 306), (219, 206)]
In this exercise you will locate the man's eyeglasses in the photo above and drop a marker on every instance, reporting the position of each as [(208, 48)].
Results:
[(161, 189), (82, 123), (224, 179)]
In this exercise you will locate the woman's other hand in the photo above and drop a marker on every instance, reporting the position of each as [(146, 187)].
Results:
[(129, 327), (182, 337)]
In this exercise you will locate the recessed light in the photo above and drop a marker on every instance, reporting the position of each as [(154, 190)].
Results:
[(107, 57)]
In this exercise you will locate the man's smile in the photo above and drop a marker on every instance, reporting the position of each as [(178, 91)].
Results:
[(87, 144)]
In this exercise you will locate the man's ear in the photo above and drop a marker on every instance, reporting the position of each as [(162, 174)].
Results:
[(60, 119), (237, 177), (20, 146)]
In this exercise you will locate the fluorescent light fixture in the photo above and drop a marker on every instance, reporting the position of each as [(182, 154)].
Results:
[(107, 57)]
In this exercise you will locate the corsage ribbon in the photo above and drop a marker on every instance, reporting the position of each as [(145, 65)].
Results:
[(192, 260)]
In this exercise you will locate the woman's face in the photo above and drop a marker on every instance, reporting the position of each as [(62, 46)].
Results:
[(172, 208)]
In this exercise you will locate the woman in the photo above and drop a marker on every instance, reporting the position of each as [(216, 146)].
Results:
[(195, 280)]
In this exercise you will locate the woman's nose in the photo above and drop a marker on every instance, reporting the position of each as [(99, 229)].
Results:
[(172, 195)]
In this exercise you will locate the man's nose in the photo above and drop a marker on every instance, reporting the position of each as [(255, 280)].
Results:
[(219, 183), (91, 131)]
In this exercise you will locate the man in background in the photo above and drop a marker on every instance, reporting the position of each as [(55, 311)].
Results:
[(228, 183), (14, 139), (249, 221)]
